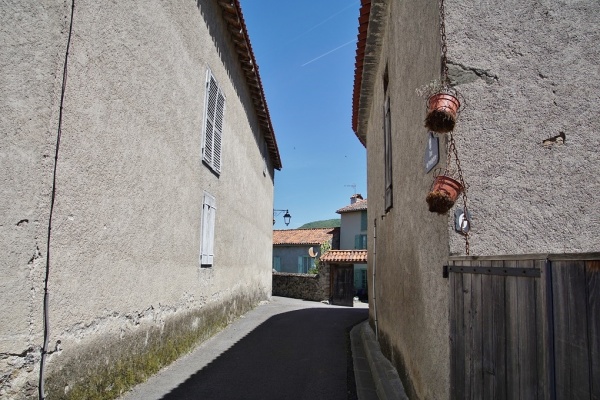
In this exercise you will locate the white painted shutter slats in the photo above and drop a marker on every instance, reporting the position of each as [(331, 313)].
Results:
[(213, 129), (208, 230)]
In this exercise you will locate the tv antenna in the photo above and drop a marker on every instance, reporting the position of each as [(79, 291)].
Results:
[(353, 186)]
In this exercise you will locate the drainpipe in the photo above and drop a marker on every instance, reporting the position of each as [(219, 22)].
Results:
[(374, 297)]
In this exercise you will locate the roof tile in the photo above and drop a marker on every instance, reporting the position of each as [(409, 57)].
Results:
[(302, 236), (345, 256), (232, 14), (361, 204)]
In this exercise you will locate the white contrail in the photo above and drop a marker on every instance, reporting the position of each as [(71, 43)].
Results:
[(331, 17), (329, 52), (325, 20)]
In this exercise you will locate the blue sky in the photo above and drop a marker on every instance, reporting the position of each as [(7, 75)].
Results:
[(305, 52)]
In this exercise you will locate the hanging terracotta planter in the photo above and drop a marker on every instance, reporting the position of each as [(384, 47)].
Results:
[(443, 195), (443, 105), (442, 110)]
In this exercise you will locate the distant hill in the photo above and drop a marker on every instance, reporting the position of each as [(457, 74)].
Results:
[(326, 223)]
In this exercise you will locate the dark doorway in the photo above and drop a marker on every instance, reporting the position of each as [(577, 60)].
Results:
[(342, 285)]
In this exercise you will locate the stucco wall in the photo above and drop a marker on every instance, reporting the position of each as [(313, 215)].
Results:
[(528, 71), (411, 297), (289, 256), (130, 181), (33, 38), (349, 228)]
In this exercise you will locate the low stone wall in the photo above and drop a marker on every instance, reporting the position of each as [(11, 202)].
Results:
[(302, 286), (110, 366)]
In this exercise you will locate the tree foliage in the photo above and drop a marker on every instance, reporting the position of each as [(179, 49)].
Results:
[(326, 223)]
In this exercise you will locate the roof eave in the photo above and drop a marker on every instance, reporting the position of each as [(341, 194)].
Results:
[(232, 14), (370, 29)]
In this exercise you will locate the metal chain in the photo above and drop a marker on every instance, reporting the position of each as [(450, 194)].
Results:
[(452, 149), (444, 61), (451, 145)]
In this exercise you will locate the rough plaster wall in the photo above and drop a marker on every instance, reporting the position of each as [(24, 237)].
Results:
[(289, 256), (412, 243), (528, 70), (33, 43), (130, 180), (349, 227)]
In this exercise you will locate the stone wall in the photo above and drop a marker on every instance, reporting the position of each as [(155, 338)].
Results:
[(132, 356), (302, 286)]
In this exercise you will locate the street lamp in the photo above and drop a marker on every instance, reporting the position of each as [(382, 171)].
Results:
[(286, 217)]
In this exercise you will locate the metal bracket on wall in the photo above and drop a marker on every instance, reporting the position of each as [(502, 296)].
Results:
[(524, 272)]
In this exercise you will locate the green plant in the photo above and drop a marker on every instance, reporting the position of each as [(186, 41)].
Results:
[(325, 247)]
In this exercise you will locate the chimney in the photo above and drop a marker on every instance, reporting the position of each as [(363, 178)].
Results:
[(355, 197)]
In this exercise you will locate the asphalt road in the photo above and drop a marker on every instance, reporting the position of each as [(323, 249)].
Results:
[(284, 349)]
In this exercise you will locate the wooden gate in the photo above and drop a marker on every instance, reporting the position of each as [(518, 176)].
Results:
[(524, 328), (342, 285)]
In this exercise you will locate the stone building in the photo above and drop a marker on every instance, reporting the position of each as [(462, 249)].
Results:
[(134, 136), (527, 138)]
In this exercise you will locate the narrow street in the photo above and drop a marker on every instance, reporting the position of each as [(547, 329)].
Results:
[(283, 349)]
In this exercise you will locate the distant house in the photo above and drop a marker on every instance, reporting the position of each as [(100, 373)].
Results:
[(353, 235), (341, 264), (294, 250), (512, 312), (133, 140)]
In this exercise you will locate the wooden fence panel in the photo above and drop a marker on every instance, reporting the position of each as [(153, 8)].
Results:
[(527, 329), (476, 336), (545, 328), (528, 334), (592, 274), (458, 339), (572, 364), (489, 336), (494, 332), (499, 322), (468, 335), (512, 335)]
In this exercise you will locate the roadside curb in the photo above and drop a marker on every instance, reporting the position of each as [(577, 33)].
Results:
[(385, 382)]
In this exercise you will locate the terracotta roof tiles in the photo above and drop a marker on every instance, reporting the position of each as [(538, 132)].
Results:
[(363, 25), (232, 14), (358, 206), (303, 236), (345, 256)]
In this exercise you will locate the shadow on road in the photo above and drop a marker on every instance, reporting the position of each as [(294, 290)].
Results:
[(295, 355)]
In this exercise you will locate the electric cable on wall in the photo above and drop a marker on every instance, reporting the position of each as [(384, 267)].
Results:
[(52, 198)]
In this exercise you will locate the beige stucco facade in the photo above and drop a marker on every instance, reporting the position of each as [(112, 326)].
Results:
[(129, 185), (351, 226), (408, 300), (526, 76)]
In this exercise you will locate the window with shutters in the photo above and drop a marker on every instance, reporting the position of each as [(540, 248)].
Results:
[(277, 263), (360, 242), (207, 233), (387, 146), (363, 220), (213, 123), (305, 263)]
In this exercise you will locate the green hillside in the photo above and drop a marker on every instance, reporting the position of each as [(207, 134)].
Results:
[(326, 223)]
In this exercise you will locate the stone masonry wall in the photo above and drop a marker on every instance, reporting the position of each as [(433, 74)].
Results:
[(302, 286)]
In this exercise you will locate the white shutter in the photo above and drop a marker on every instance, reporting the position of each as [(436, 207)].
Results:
[(219, 112), (213, 127), (208, 230), (387, 146)]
